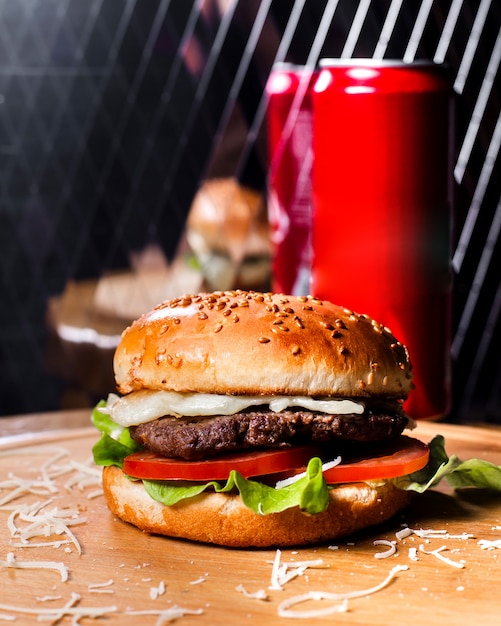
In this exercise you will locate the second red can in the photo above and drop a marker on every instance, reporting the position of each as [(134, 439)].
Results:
[(381, 225), (289, 91)]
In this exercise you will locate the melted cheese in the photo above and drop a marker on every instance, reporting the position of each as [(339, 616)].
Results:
[(147, 405)]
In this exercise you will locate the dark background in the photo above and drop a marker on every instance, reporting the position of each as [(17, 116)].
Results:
[(111, 112)]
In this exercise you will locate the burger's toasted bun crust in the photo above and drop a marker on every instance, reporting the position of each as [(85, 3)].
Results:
[(224, 520), (252, 343)]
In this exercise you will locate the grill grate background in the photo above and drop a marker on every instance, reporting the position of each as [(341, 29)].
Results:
[(111, 112)]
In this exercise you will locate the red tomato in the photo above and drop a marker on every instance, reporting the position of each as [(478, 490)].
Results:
[(408, 455), (153, 466)]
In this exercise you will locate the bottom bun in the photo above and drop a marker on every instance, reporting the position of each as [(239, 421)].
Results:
[(224, 520)]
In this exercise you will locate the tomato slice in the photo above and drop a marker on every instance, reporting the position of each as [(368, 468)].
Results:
[(404, 456), (410, 456), (150, 465)]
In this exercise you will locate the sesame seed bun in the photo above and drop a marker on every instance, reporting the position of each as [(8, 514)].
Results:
[(223, 519), (242, 343)]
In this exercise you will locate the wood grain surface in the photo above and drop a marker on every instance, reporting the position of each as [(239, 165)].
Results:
[(142, 573)]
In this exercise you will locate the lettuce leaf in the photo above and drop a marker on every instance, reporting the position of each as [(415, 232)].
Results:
[(310, 492), (458, 474), (115, 442)]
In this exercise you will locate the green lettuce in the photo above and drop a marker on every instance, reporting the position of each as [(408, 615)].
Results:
[(310, 492), (459, 474), (115, 442)]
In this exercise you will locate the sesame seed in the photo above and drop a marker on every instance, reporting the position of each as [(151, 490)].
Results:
[(174, 360), (235, 318), (176, 320), (227, 312), (218, 328), (264, 340), (295, 349), (370, 378), (298, 321), (385, 381), (202, 315), (277, 322), (327, 325), (336, 334)]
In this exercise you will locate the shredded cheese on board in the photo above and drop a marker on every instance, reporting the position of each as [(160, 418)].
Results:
[(285, 607), (57, 613)]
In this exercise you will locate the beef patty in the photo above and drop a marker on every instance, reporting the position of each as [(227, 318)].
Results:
[(198, 438)]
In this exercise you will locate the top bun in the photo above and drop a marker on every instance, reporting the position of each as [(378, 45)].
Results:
[(240, 342)]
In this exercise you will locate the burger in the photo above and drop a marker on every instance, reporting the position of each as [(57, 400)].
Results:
[(257, 419)]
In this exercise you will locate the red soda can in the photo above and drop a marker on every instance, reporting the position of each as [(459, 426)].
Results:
[(381, 225), (289, 123)]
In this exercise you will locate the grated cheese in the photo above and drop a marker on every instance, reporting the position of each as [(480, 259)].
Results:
[(282, 573), (432, 534), (260, 594), (292, 479), (101, 587), (155, 592), (166, 615), (438, 554), (413, 554), (285, 608), (11, 561), (57, 614), (392, 548), (485, 544), (44, 523)]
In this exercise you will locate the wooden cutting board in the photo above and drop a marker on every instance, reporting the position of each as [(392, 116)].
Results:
[(121, 571)]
